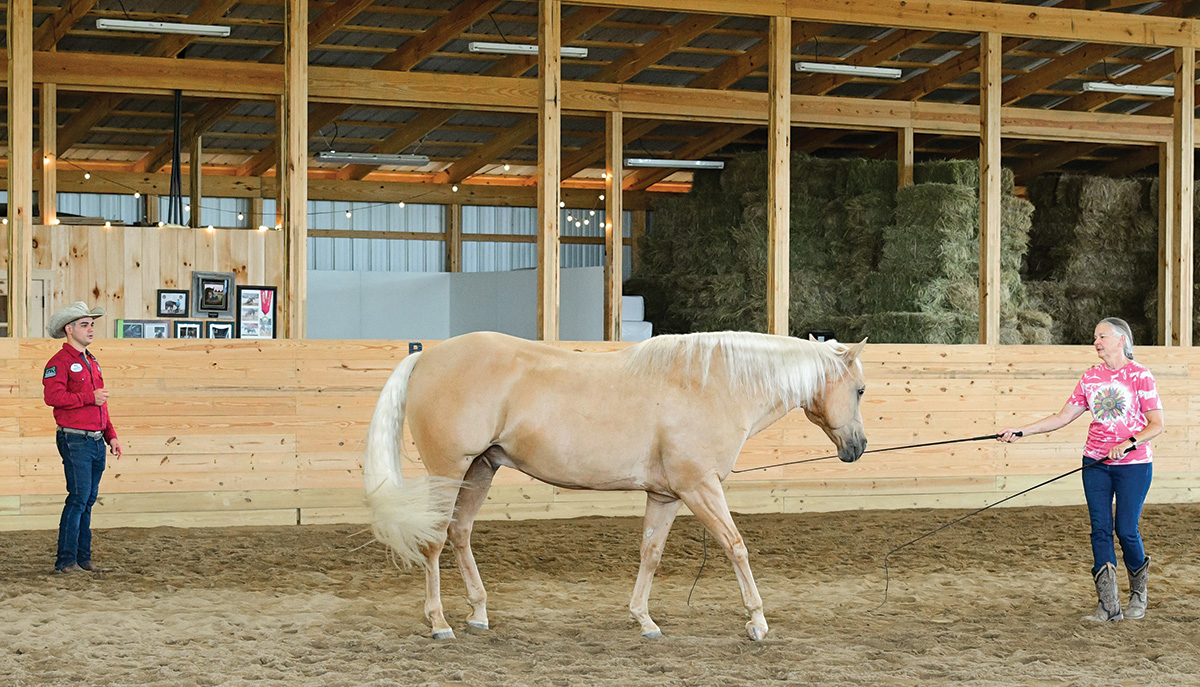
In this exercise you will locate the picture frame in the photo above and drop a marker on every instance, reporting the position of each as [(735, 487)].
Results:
[(143, 329), (213, 295), (189, 329), (219, 329), (256, 312), (173, 302)]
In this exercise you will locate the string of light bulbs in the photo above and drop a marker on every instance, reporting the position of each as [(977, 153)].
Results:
[(349, 213)]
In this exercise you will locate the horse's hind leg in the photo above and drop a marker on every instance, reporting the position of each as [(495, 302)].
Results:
[(707, 502), (660, 513), (433, 589), (470, 498)]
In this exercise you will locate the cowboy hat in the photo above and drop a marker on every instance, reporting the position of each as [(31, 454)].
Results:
[(69, 314)]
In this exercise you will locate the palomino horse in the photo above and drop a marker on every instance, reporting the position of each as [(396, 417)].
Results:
[(666, 416)]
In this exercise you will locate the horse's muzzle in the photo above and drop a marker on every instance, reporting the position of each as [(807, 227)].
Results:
[(852, 450)]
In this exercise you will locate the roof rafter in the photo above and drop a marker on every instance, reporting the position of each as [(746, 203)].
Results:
[(404, 58), (573, 26), (167, 46)]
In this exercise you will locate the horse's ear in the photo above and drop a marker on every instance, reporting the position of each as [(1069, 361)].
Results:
[(856, 350), (811, 337)]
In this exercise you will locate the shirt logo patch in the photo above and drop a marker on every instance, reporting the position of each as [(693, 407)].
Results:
[(76, 367), (51, 371)]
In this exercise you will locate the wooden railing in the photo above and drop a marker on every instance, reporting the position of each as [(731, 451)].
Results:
[(271, 432)]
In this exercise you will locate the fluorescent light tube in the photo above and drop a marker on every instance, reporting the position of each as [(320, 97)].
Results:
[(162, 27), (682, 164), (848, 69), (519, 49), (1129, 88), (371, 158)]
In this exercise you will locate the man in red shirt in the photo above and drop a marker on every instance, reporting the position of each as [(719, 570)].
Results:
[(74, 387)]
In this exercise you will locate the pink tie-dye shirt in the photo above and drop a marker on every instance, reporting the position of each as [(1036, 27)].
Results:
[(1118, 400)]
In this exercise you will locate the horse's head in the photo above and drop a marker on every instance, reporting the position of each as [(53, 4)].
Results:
[(836, 409)]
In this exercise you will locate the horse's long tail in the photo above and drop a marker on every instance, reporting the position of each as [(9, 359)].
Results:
[(406, 515)]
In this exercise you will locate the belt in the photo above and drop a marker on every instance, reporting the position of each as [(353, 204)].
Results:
[(97, 434)]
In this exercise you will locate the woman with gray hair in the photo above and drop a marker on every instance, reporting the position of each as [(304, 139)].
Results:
[(1126, 415)]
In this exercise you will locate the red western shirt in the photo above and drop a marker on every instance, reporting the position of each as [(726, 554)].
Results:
[(70, 381)]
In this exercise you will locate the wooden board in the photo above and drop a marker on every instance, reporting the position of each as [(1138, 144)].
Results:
[(270, 432)]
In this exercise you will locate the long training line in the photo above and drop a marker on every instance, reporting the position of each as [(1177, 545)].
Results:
[(886, 572), (877, 450)]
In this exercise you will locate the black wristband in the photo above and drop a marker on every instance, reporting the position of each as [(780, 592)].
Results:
[(1132, 441)]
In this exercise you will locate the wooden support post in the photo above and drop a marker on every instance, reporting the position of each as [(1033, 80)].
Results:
[(152, 207), (454, 241), (48, 195), (549, 164), (904, 157), (637, 232), (20, 165), (779, 143), (989, 188), (256, 213), (293, 180), (1184, 142), (614, 229), (195, 166), (1166, 244)]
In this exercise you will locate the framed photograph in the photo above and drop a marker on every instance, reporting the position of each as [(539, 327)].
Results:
[(212, 294), (172, 303), (189, 329), (256, 312), (218, 330), (143, 329)]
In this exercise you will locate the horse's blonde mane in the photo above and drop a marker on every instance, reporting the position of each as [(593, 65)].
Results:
[(790, 370)]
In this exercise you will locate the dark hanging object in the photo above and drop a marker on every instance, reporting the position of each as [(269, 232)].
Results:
[(175, 206)]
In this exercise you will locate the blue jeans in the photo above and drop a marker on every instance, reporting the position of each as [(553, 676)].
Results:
[(83, 463), (1128, 485)]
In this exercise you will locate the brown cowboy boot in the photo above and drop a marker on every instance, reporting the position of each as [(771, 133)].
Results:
[(1137, 591), (1106, 590)]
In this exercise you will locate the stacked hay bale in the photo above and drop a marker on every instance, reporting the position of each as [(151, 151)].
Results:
[(1094, 254), (865, 260), (927, 286)]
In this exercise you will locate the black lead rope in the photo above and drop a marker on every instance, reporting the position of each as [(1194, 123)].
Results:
[(704, 532), (878, 450), (886, 573)]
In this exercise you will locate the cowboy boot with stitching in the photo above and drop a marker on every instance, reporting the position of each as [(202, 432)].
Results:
[(1106, 590), (1137, 590)]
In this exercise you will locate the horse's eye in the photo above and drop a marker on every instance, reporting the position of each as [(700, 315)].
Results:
[(861, 392)]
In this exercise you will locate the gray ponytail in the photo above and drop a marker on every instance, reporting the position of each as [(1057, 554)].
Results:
[(1121, 327)]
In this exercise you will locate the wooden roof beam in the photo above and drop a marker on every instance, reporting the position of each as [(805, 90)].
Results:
[(573, 26), (319, 29), (958, 16), (719, 138), (404, 58), (873, 55), (727, 74), (619, 71), (167, 46), (647, 54), (53, 28)]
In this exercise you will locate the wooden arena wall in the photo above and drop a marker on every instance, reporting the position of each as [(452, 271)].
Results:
[(271, 432), (121, 268)]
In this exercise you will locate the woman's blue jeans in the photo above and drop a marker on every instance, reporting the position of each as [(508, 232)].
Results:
[(1127, 485), (83, 463)]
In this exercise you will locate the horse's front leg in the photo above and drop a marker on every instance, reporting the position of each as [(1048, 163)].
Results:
[(660, 513), (707, 502)]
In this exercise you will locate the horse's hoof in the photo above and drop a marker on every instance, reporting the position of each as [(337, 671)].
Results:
[(444, 634), (756, 633), (653, 634), (477, 624)]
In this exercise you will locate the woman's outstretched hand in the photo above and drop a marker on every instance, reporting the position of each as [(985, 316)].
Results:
[(1009, 435)]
